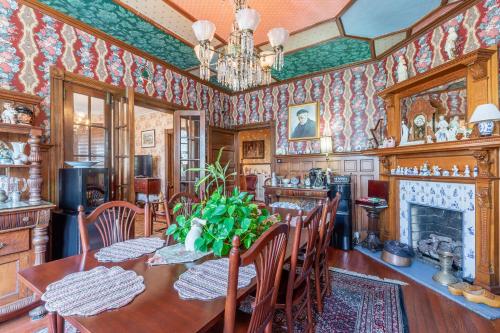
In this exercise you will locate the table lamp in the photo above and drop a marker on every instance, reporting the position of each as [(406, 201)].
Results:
[(326, 145), (485, 116)]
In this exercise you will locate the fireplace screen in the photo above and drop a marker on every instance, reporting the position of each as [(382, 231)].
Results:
[(435, 229)]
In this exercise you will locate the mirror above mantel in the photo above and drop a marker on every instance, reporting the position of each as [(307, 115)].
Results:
[(424, 108)]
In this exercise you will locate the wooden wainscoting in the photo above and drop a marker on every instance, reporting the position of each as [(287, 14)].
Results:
[(361, 168)]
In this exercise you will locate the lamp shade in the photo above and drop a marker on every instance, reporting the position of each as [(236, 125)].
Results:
[(248, 19), (203, 30), (326, 144), (277, 36), (485, 112)]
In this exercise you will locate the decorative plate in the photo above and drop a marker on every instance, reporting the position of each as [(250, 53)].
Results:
[(81, 164)]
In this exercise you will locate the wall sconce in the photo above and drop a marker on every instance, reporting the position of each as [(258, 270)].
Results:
[(326, 145)]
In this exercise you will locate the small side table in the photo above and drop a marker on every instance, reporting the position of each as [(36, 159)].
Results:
[(146, 186), (372, 241)]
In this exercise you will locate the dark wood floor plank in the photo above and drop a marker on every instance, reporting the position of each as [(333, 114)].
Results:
[(427, 311)]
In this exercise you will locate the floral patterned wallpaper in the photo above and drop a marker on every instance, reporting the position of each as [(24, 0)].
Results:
[(31, 42), (349, 105)]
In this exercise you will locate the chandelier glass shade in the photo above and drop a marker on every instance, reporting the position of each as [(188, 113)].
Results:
[(240, 65)]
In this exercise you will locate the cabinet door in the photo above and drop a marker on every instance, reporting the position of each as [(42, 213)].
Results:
[(10, 288)]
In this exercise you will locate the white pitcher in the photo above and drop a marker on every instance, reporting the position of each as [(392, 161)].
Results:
[(18, 155), (194, 233)]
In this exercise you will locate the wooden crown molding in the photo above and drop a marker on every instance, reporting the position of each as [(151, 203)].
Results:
[(20, 97), (475, 60)]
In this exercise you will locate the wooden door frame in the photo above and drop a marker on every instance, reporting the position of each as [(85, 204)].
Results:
[(169, 165), (235, 145), (271, 125)]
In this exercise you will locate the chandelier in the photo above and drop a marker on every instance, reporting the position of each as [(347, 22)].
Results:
[(240, 65)]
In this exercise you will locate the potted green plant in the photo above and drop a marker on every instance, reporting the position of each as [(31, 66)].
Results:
[(226, 215)]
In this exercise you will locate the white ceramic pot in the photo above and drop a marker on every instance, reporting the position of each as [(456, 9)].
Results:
[(194, 233)]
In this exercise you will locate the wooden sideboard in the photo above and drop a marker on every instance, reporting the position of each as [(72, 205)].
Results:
[(274, 193), (361, 168), (147, 186)]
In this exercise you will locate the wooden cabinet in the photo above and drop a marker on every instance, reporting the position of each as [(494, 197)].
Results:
[(147, 186), (24, 222)]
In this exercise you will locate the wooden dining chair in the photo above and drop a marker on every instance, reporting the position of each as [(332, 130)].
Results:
[(267, 254), (113, 221), (187, 200), (295, 288), (321, 266)]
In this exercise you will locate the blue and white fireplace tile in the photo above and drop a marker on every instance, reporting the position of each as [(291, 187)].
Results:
[(454, 196)]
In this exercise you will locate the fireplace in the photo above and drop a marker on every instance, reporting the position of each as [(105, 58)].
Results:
[(433, 230), (439, 216)]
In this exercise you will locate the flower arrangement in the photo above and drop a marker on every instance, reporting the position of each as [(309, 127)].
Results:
[(225, 215)]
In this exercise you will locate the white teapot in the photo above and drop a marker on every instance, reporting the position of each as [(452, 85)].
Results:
[(194, 233)]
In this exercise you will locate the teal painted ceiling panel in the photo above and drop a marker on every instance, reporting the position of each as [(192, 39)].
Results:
[(335, 53), (124, 25)]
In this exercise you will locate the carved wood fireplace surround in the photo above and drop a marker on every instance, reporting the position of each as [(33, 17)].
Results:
[(480, 70)]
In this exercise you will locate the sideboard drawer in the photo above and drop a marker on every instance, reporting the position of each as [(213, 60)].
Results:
[(14, 241)]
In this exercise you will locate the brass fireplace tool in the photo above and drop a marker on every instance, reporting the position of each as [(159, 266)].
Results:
[(445, 275)]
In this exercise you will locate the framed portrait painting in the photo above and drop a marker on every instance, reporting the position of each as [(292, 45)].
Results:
[(148, 139), (253, 149), (303, 121)]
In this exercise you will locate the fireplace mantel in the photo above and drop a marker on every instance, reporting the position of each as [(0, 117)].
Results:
[(481, 151)]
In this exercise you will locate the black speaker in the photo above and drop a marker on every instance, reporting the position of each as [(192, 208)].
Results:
[(342, 233)]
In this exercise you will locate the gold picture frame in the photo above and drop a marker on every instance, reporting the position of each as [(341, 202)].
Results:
[(304, 132)]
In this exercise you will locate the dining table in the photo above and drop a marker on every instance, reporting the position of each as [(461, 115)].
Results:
[(159, 308)]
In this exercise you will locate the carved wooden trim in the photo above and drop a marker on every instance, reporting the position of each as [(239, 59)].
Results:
[(389, 101), (40, 240), (385, 162), (35, 179), (478, 70), (483, 162), (483, 197)]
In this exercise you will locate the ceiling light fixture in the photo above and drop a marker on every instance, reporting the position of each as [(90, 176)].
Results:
[(240, 65)]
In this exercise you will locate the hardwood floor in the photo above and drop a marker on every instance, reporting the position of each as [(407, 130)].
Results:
[(427, 311)]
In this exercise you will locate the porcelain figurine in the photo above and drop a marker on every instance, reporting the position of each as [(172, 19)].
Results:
[(424, 171), (402, 69), (475, 171), (467, 171), (405, 131), (450, 44), (18, 154), (194, 233), (398, 170), (3, 196), (429, 139), (274, 181), (436, 171), (455, 171), (9, 114), (415, 171), (393, 171), (442, 132), (446, 173), (391, 143), (455, 123)]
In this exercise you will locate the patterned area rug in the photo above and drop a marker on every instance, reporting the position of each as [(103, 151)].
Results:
[(358, 303)]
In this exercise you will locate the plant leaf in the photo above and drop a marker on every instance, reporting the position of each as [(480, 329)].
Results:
[(177, 207), (171, 229), (245, 224), (217, 247)]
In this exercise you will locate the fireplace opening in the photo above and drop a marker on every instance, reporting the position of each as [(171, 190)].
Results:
[(435, 229)]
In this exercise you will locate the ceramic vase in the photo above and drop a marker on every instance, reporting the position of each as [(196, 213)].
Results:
[(486, 127), (18, 155), (194, 233)]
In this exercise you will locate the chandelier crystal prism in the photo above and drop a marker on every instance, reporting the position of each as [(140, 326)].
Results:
[(240, 65)]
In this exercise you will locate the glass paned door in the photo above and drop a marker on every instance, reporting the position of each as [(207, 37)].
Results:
[(189, 152), (123, 147), (86, 125)]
